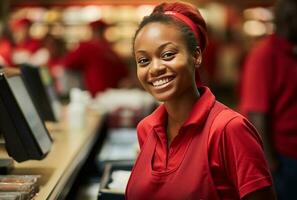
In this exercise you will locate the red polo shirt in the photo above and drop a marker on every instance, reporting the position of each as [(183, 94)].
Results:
[(31, 45), (225, 163), (6, 49), (269, 85)]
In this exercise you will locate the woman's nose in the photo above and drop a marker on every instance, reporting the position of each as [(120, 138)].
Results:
[(157, 68)]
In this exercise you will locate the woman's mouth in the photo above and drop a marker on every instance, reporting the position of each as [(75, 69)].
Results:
[(162, 82)]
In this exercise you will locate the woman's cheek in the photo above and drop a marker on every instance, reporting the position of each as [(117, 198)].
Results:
[(141, 76)]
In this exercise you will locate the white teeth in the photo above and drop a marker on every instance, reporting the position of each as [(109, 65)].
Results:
[(161, 82)]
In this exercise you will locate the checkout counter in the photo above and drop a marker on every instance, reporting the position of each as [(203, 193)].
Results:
[(68, 154), (55, 151)]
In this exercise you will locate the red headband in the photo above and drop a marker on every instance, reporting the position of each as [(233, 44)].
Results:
[(186, 20)]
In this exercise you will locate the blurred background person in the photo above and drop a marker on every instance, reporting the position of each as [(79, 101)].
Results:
[(26, 47), (101, 67), (56, 49), (6, 46), (269, 97)]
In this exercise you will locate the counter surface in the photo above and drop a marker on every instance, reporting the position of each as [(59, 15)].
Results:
[(69, 151)]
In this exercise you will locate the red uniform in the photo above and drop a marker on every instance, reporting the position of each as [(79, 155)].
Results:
[(6, 51), (25, 46), (216, 155), (101, 67), (269, 85), (31, 45)]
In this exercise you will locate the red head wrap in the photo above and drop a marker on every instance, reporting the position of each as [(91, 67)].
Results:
[(19, 23), (189, 15)]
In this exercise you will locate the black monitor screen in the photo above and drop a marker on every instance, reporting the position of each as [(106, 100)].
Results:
[(40, 87), (25, 134)]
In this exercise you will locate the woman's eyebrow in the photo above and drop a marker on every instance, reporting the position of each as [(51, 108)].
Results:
[(140, 51), (161, 47)]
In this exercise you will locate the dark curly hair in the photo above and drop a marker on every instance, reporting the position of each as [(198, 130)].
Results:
[(188, 10), (186, 32)]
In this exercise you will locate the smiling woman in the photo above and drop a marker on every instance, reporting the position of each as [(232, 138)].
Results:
[(192, 147), (164, 67)]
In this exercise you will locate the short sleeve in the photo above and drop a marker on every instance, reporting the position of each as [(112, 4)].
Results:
[(256, 83), (243, 157)]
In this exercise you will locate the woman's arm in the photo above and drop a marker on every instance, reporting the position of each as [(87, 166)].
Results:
[(244, 161)]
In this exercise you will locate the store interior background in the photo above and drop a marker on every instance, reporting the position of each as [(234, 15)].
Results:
[(233, 27)]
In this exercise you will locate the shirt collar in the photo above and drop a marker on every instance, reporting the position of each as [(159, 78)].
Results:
[(201, 108), (159, 116), (198, 114)]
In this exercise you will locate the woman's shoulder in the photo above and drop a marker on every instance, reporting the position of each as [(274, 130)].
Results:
[(223, 115), (230, 124)]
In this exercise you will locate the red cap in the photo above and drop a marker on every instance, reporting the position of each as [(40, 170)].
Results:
[(98, 24), (19, 23), (188, 14)]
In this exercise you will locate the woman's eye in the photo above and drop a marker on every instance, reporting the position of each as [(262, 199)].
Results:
[(142, 61), (168, 55)]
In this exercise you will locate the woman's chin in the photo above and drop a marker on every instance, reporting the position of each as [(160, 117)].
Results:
[(163, 97)]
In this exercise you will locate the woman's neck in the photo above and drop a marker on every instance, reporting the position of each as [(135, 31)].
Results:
[(178, 111)]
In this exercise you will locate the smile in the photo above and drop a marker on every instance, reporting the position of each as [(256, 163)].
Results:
[(162, 82)]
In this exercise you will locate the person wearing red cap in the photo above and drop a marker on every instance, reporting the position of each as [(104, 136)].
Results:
[(269, 97), (25, 45), (102, 68), (192, 147), (6, 47)]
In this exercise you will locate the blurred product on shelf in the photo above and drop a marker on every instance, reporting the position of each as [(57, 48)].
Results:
[(119, 180), (124, 107), (77, 108), (22, 187), (114, 180), (120, 144)]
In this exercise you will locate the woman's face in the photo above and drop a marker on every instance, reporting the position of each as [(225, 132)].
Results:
[(165, 68)]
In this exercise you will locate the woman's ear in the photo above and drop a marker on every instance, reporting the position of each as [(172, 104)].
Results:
[(198, 57)]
